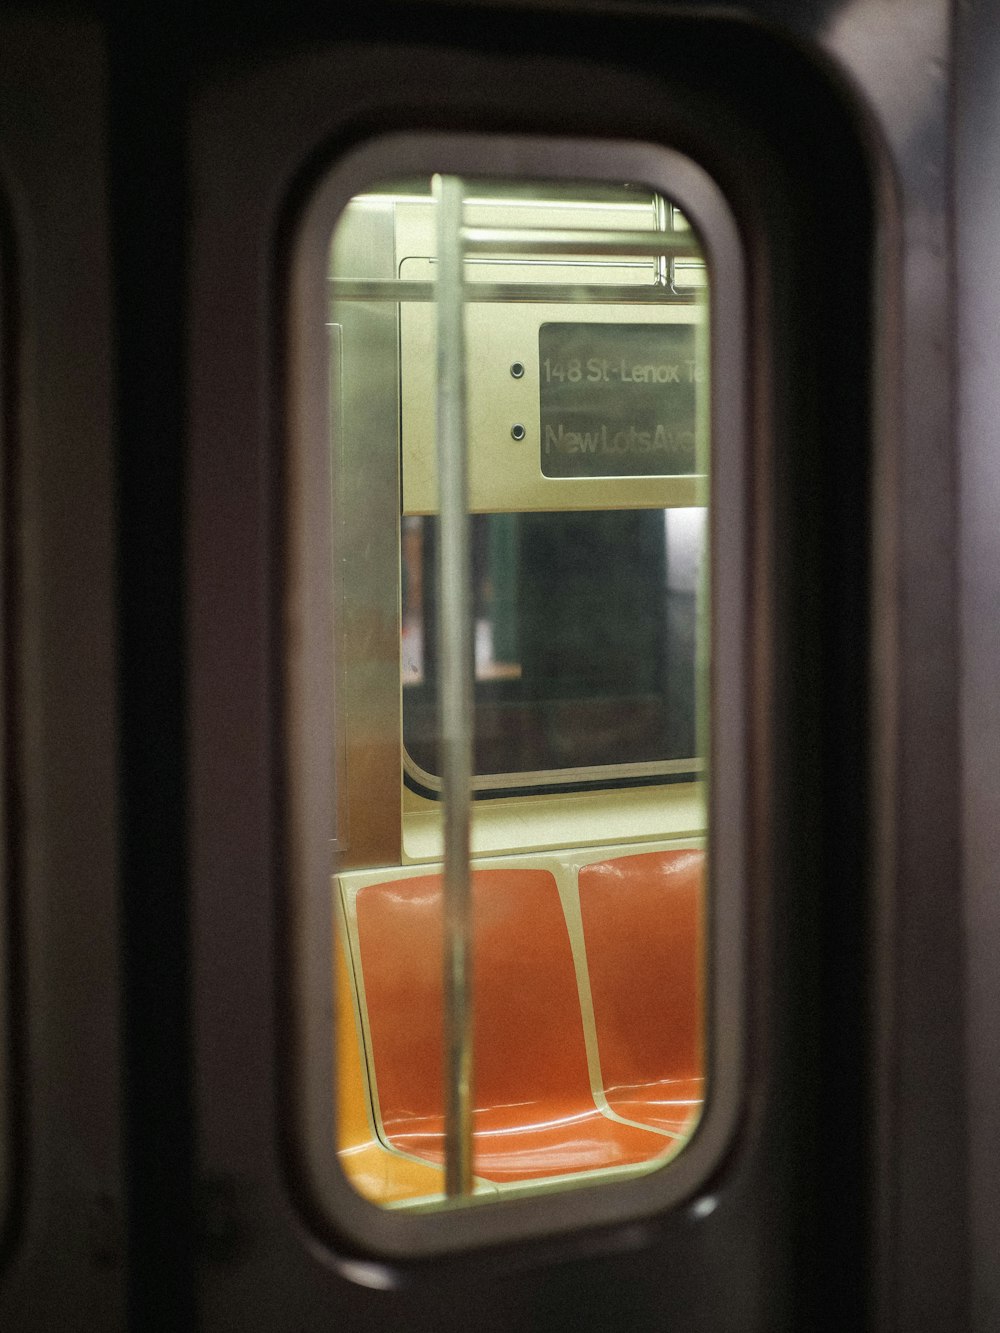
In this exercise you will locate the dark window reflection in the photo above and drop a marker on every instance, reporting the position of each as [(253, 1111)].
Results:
[(585, 632)]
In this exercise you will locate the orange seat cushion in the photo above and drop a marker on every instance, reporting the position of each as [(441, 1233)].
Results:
[(643, 923), (534, 1112)]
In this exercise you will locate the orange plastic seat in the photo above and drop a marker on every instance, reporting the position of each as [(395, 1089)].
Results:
[(643, 926), (534, 1110), (374, 1171)]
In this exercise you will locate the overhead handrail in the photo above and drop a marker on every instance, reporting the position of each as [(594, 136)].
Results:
[(577, 241), (563, 293)]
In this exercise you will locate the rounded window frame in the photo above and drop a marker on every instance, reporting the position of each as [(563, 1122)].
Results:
[(309, 712)]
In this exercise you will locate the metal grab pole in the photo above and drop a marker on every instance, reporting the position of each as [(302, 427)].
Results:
[(454, 683)]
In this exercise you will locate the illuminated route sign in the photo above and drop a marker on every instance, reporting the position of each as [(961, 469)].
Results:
[(617, 400)]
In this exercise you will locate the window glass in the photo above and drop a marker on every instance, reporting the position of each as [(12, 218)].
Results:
[(584, 348), (584, 646)]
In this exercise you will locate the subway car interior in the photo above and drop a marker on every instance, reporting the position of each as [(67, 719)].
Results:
[(499, 647)]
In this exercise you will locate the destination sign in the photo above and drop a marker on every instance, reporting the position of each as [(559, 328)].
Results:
[(617, 400)]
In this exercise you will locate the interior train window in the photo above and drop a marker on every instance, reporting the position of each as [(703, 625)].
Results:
[(515, 627)]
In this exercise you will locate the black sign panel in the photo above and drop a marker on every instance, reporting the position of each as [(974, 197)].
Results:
[(617, 400)]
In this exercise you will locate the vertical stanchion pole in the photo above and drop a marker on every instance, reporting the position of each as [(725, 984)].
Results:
[(455, 666)]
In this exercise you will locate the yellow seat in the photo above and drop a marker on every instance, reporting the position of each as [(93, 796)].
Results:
[(376, 1172)]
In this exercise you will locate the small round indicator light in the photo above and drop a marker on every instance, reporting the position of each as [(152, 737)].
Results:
[(517, 370), (517, 432)]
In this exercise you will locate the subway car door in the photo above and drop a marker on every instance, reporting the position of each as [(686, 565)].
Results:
[(63, 1229), (559, 414)]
